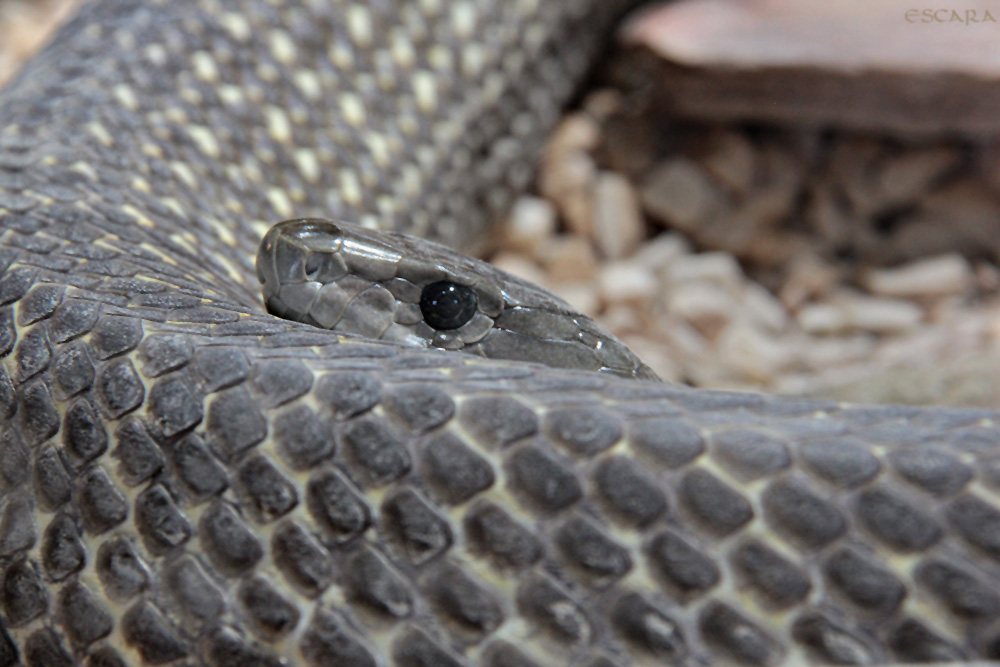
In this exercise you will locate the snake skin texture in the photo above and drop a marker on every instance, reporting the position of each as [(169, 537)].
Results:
[(186, 480)]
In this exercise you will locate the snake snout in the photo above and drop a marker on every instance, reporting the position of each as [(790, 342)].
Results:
[(312, 233), (297, 257), (294, 250)]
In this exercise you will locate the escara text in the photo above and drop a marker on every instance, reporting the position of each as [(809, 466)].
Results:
[(966, 17)]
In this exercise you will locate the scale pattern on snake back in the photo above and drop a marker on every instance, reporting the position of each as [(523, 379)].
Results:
[(186, 480)]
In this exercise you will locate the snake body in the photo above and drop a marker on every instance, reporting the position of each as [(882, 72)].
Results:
[(187, 480)]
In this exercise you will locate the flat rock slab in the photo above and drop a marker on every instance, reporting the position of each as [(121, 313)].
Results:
[(894, 66)]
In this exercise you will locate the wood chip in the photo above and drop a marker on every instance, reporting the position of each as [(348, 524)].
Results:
[(731, 160), (622, 319), (575, 132), (763, 309), (580, 296), (661, 252), (626, 282), (569, 182), (940, 276), (752, 354), (683, 340), (618, 223), (859, 313), (531, 221), (717, 268), (655, 357), (817, 353), (520, 266), (567, 258), (680, 194), (809, 277), (706, 306), (905, 176)]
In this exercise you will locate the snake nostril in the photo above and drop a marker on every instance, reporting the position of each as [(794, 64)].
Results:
[(447, 305), (314, 263)]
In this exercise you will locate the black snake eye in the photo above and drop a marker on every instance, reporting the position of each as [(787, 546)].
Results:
[(447, 305)]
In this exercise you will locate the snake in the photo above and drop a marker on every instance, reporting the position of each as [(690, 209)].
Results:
[(466, 472)]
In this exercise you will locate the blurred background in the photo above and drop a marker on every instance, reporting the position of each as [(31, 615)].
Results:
[(779, 195)]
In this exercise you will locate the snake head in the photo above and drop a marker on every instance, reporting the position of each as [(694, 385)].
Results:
[(403, 289)]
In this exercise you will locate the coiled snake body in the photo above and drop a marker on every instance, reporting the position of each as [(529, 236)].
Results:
[(187, 480)]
